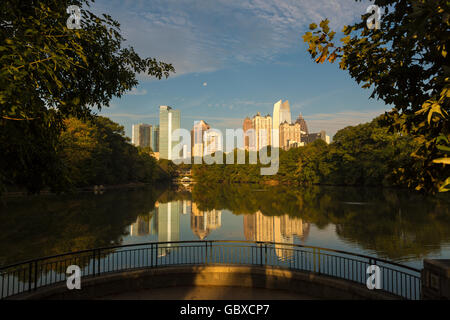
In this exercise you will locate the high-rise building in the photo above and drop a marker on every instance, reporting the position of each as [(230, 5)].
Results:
[(249, 137), (281, 113), (169, 121), (197, 137), (263, 130), (303, 127), (290, 135), (311, 137), (155, 138), (141, 135), (213, 142)]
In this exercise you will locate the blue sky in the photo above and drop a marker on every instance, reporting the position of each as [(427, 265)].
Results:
[(234, 58)]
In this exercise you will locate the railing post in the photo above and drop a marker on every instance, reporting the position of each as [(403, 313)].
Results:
[(206, 252), (93, 263), (260, 254), (265, 253), (29, 276), (35, 274), (314, 259), (156, 257), (318, 258), (151, 255), (98, 264)]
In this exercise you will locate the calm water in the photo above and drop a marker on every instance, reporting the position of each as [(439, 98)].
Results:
[(398, 225)]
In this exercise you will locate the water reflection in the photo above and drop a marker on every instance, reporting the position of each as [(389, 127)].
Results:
[(398, 225)]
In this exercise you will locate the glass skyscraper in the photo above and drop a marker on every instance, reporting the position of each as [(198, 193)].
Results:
[(169, 121)]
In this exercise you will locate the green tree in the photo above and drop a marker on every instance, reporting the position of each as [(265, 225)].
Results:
[(406, 63), (49, 73)]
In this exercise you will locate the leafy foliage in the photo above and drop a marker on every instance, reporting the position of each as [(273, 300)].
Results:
[(367, 154), (97, 152), (407, 65), (49, 73)]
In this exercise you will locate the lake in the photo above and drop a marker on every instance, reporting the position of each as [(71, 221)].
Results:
[(398, 225)]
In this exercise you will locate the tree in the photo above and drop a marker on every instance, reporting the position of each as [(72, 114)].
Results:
[(49, 73), (406, 63)]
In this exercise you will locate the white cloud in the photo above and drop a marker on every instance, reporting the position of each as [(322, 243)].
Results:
[(137, 92), (203, 36), (332, 122)]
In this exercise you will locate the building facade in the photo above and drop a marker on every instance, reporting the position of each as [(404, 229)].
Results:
[(301, 121), (141, 135), (281, 113), (249, 138), (169, 121), (263, 130), (311, 137), (155, 138), (197, 138), (290, 135)]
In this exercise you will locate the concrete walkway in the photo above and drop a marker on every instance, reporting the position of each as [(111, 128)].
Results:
[(208, 293)]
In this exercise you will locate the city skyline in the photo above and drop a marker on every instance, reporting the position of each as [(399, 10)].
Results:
[(258, 132), (237, 60)]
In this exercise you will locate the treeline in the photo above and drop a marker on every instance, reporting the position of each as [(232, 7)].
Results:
[(394, 223), (363, 155), (96, 152)]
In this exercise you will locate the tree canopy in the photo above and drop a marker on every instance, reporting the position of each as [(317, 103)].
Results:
[(49, 73), (406, 62)]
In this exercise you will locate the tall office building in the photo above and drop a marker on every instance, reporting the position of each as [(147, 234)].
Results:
[(290, 135), (155, 138), (311, 137), (169, 121), (197, 137), (141, 135), (263, 130), (281, 113), (212, 142), (249, 134), (301, 121)]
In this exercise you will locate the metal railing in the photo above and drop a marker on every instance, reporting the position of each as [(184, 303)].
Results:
[(397, 279)]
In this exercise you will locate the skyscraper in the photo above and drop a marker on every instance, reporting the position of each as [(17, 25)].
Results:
[(263, 130), (249, 134), (155, 138), (281, 113), (290, 134), (169, 121), (197, 136), (213, 142), (141, 135), (302, 123)]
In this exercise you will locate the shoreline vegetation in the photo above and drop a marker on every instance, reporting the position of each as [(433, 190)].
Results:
[(95, 155), (363, 155)]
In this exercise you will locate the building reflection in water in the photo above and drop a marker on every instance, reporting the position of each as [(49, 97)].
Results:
[(203, 222), (258, 227), (164, 222)]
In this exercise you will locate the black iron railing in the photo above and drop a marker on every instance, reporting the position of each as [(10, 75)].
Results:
[(397, 279)]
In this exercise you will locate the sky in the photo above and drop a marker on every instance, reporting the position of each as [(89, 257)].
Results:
[(234, 58)]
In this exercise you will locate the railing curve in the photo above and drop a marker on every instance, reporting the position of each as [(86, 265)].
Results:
[(397, 279)]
